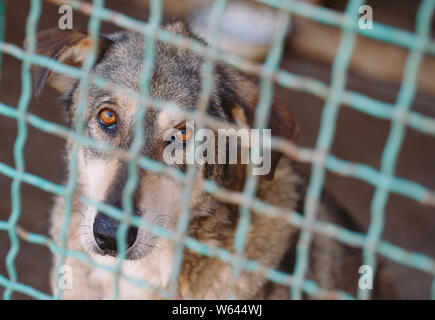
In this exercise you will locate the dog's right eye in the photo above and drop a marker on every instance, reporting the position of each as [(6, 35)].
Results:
[(107, 118)]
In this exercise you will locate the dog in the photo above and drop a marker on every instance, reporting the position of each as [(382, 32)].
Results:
[(109, 115)]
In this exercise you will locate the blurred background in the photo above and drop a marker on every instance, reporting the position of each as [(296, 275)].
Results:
[(376, 71)]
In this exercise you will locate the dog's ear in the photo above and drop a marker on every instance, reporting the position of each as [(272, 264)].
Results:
[(241, 97), (67, 46)]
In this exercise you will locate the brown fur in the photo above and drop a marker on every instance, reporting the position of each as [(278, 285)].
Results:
[(176, 78)]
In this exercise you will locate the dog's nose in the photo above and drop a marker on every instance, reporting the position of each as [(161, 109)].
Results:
[(105, 230)]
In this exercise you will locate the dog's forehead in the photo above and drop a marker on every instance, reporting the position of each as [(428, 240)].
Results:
[(176, 73)]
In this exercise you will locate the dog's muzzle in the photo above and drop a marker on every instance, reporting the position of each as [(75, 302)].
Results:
[(105, 231)]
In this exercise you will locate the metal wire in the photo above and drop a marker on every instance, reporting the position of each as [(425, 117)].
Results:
[(336, 95)]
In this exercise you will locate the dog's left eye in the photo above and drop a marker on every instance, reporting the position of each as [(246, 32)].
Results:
[(184, 135), (107, 118)]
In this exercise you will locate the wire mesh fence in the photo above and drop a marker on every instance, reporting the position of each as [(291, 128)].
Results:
[(335, 95)]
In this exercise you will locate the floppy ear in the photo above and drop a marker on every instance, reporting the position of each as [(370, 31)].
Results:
[(242, 97), (67, 46)]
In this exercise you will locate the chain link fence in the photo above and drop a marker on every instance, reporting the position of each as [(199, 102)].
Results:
[(335, 95)]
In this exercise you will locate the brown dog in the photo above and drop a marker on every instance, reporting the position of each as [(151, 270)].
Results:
[(109, 118)]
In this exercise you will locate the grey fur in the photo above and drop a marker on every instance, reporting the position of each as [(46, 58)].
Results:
[(177, 78)]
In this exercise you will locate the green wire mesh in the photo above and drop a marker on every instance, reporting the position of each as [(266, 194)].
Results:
[(335, 96)]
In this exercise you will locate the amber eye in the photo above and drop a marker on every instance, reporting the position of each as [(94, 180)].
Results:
[(107, 117), (183, 135)]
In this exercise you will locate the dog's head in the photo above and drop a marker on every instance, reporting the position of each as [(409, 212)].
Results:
[(109, 117)]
